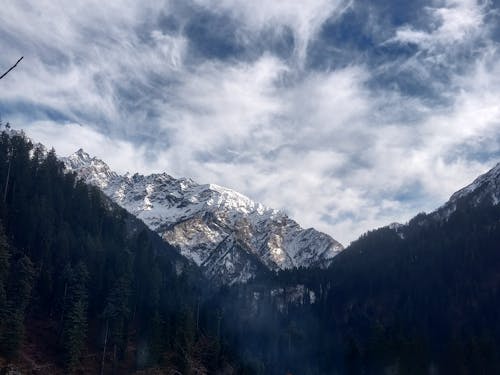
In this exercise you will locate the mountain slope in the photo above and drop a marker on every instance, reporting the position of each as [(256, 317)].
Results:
[(420, 298), (87, 288), (230, 236), (484, 190)]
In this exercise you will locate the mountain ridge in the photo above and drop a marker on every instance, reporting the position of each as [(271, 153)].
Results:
[(226, 233), (483, 190)]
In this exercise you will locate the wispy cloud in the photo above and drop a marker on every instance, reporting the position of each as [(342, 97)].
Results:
[(343, 148), (303, 17), (455, 21)]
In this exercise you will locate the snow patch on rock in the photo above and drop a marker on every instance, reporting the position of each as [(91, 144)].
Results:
[(226, 233)]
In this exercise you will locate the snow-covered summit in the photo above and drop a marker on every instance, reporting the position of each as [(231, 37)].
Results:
[(485, 187), (483, 190), (229, 235), (92, 170)]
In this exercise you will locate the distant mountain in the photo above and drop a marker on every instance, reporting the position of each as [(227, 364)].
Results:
[(485, 190), (231, 237)]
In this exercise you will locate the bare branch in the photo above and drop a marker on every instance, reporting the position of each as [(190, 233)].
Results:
[(12, 67)]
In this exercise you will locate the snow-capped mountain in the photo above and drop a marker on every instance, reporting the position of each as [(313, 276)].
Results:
[(230, 236), (483, 190)]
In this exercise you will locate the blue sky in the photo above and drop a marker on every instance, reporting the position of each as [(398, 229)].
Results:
[(346, 114)]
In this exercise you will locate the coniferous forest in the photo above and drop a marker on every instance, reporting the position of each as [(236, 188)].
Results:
[(250, 187), (87, 288), (427, 303)]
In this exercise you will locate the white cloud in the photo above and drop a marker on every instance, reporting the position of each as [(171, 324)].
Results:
[(458, 20), (78, 58), (122, 156), (325, 146)]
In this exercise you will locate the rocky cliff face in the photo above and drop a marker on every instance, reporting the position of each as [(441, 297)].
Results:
[(227, 234)]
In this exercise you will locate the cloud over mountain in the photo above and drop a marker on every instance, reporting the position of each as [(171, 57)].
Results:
[(347, 114)]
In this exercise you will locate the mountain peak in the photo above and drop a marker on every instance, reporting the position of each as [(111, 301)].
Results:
[(81, 155), (485, 187), (90, 169), (226, 233)]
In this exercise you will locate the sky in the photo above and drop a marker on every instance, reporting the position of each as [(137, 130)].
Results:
[(347, 115)]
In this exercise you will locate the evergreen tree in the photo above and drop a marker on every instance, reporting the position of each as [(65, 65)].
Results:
[(4, 272), (18, 295), (115, 315), (75, 319)]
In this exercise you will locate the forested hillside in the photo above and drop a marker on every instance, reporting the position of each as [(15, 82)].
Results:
[(417, 299), (85, 287)]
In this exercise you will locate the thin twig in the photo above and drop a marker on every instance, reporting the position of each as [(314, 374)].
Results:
[(12, 67)]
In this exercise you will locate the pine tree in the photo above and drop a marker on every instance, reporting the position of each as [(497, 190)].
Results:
[(18, 296), (115, 315), (4, 272), (13, 332), (75, 333), (75, 319)]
